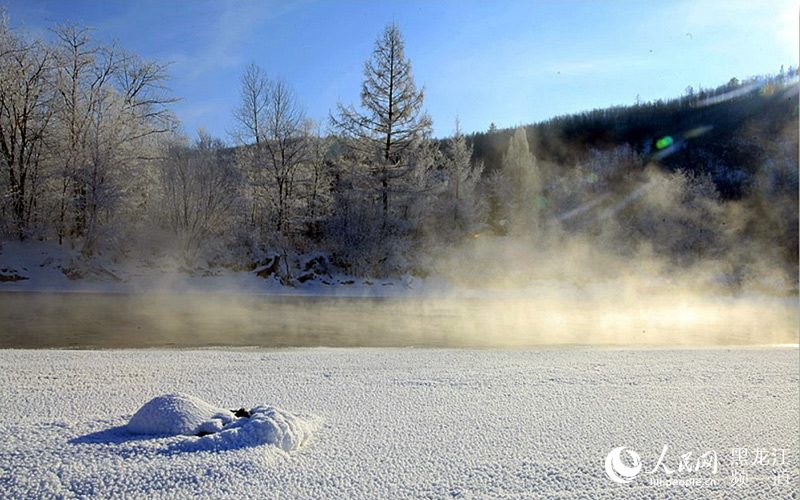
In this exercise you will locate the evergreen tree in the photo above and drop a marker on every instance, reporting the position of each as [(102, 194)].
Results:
[(459, 207), (525, 183), (384, 135)]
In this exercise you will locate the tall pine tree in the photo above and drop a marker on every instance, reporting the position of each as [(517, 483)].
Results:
[(390, 126)]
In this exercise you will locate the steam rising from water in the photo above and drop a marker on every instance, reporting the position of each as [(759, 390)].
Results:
[(557, 316)]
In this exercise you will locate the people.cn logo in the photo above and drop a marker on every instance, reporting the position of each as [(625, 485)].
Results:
[(617, 470)]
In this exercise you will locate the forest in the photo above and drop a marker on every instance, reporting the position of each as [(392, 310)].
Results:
[(94, 158)]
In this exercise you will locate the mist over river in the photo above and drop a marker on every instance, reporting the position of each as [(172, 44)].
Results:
[(92, 320)]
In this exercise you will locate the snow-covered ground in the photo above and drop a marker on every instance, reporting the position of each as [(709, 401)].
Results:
[(410, 423)]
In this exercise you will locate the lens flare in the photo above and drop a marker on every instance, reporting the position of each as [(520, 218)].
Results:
[(664, 142)]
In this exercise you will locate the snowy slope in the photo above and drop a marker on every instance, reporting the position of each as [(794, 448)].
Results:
[(401, 422)]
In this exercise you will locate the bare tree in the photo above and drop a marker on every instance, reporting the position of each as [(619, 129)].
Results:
[(79, 84), (316, 176), (126, 113), (199, 192), (249, 118), (146, 97), (25, 111), (253, 102), (270, 116), (285, 145)]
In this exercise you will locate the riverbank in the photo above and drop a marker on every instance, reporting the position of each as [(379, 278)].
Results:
[(46, 267)]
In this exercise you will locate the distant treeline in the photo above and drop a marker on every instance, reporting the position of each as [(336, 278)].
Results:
[(731, 130)]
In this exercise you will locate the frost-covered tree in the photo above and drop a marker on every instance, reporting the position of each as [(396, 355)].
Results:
[(285, 144), (199, 193), (77, 128), (127, 116), (523, 182), (316, 178), (249, 116), (383, 135), (106, 109), (79, 84), (25, 112), (458, 206), (272, 130), (677, 214), (499, 200), (353, 232)]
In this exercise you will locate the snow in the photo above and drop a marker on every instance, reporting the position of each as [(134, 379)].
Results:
[(265, 425), (393, 423), (43, 267), (218, 428), (183, 414), (176, 414)]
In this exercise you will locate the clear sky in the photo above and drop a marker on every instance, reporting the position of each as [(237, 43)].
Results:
[(508, 62)]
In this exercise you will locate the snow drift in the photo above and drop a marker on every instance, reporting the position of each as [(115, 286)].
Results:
[(219, 428)]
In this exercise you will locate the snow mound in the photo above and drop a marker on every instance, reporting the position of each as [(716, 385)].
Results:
[(266, 425), (175, 414), (218, 428)]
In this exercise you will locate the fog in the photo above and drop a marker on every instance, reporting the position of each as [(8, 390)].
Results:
[(557, 316)]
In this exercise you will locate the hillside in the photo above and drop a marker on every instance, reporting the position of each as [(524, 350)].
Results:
[(727, 131)]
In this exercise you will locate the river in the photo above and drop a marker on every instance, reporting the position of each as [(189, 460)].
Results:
[(92, 320)]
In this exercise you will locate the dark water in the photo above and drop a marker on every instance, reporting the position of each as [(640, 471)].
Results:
[(89, 320)]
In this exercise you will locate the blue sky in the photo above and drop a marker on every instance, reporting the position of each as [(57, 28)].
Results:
[(508, 62)]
